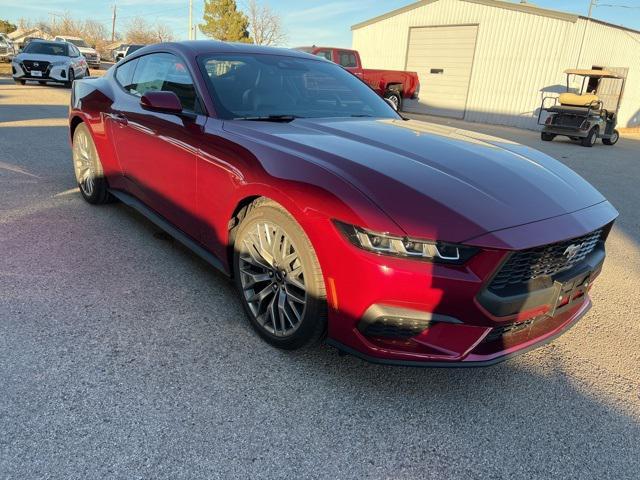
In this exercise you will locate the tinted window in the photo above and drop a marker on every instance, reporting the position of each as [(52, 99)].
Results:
[(244, 85), (164, 72), (324, 54), (124, 74), (42, 48), (347, 59), (78, 43)]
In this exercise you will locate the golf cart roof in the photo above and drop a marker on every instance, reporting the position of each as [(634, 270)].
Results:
[(592, 73)]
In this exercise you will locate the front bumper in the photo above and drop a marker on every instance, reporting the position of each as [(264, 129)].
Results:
[(53, 73), (435, 315)]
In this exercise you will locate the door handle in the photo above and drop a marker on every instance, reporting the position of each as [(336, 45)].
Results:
[(119, 118)]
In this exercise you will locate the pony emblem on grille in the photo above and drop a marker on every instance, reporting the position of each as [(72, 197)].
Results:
[(572, 250)]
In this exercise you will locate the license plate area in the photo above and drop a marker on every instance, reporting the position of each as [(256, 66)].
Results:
[(36, 73), (572, 291)]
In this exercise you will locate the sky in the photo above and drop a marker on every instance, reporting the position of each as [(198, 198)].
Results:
[(306, 22)]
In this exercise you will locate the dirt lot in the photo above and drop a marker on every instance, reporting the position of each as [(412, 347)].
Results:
[(124, 356)]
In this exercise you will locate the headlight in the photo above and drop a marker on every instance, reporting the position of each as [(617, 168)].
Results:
[(382, 243)]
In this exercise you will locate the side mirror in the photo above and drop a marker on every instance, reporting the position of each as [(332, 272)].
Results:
[(391, 104), (167, 102)]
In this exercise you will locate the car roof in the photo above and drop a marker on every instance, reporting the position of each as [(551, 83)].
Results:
[(201, 47), (68, 37)]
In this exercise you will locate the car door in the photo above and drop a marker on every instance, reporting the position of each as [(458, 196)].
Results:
[(157, 150)]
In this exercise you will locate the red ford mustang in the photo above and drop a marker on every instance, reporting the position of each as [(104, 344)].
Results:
[(396, 240)]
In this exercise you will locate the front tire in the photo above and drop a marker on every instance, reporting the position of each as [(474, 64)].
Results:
[(547, 137), (279, 278), (72, 76), (88, 168), (590, 139), (615, 136)]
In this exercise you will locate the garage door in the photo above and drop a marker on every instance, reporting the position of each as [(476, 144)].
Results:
[(443, 57)]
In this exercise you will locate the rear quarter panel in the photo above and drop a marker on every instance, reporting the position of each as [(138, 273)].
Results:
[(91, 100)]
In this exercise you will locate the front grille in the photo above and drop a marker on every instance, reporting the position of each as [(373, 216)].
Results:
[(31, 65), (545, 261), (393, 327)]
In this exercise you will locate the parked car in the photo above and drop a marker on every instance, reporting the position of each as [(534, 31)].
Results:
[(46, 61), (133, 48), (394, 85), (396, 240), (90, 53), (7, 48), (119, 52)]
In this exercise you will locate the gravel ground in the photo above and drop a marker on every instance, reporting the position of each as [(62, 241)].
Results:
[(122, 355)]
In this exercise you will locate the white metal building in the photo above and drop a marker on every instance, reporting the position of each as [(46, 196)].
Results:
[(492, 61)]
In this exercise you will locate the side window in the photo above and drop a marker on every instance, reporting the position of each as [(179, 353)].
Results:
[(324, 54), (164, 72), (347, 59), (73, 51), (124, 75)]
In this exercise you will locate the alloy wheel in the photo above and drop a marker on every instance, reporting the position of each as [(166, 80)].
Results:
[(83, 163), (272, 279)]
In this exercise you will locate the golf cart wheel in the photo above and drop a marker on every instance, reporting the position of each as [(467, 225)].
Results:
[(395, 98), (547, 137), (613, 139), (590, 139)]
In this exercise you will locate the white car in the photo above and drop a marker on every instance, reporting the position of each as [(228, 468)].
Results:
[(92, 56), (45, 61)]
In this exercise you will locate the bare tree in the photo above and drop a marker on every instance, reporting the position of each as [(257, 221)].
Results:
[(265, 25), (138, 30)]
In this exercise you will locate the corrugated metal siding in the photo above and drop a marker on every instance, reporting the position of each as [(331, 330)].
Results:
[(519, 56), (448, 52)]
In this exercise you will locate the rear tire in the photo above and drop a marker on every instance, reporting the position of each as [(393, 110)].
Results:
[(590, 139), (87, 73), (615, 136), (547, 137), (279, 278), (88, 168), (395, 98)]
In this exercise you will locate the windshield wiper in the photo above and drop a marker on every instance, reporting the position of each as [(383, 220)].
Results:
[(270, 118)]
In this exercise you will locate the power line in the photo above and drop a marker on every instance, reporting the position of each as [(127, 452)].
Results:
[(617, 6)]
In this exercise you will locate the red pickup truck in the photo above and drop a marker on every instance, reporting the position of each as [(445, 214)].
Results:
[(394, 85)]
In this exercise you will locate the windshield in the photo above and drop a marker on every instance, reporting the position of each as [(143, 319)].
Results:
[(246, 85), (78, 43), (42, 48)]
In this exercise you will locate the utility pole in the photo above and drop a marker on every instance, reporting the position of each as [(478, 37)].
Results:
[(592, 3), (113, 24), (191, 20)]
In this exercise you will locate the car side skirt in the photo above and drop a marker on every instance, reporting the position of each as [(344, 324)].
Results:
[(169, 228)]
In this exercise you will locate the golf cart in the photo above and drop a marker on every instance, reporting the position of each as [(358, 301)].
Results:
[(590, 113)]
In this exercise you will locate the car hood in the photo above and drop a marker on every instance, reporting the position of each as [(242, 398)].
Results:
[(434, 181)]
